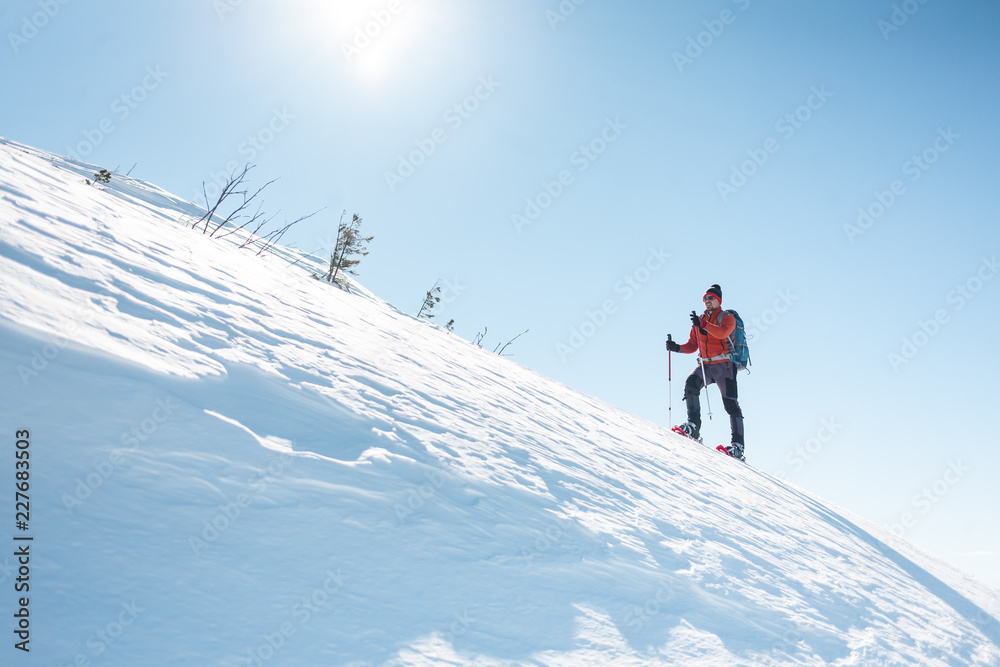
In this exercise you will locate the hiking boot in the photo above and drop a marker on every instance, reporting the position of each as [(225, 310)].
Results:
[(736, 451), (690, 430)]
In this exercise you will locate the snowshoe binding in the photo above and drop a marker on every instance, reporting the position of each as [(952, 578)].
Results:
[(688, 430), (735, 450)]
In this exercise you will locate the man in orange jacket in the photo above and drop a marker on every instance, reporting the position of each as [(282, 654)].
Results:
[(710, 337)]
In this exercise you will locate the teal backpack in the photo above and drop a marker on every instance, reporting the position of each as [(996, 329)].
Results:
[(739, 351)]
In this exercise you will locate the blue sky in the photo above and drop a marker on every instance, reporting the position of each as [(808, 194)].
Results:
[(666, 147)]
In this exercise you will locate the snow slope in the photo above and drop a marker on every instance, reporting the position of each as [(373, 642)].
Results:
[(235, 464)]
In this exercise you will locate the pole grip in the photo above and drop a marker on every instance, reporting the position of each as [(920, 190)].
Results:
[(669, 364)]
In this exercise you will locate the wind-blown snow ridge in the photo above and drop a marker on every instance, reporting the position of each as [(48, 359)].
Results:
[(262, 469)]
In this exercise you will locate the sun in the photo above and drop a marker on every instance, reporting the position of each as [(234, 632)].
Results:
[(373, 38)]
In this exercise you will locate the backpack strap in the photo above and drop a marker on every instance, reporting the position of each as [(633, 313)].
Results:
[(728, 356), (731, 338)]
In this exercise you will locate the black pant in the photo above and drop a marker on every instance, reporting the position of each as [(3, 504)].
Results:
[(724, 375)]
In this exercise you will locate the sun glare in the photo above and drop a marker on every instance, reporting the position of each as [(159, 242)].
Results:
[(374, 38)]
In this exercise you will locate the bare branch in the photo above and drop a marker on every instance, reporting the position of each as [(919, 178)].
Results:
[(272, 239), (478, 342), (228, 189), (256, 216), (511, 341), (236, 213)]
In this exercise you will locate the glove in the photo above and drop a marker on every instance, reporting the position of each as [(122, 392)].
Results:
[(673, 346), (696, 323)]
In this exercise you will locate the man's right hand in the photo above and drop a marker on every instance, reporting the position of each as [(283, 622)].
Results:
[(696, 323), (673, 346)]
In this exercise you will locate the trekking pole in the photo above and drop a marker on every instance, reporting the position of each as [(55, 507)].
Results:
[(670, 379), (704, 377)]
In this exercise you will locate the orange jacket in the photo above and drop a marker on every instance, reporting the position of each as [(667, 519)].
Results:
[(715, 343)]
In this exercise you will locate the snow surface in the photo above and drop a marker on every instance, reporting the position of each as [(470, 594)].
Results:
[(236, 464)]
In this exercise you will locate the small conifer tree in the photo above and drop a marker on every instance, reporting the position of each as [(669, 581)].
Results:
[(103, 176), (430, 301), (350, 243)]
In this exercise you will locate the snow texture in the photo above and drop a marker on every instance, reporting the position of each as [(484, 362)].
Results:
[(236, 464)]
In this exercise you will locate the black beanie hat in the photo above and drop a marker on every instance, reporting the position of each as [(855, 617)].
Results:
[(716, 290)]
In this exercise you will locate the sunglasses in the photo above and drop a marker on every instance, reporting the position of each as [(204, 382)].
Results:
[(709, 298)]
